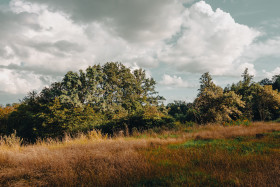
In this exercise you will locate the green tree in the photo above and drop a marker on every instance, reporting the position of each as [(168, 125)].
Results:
[(215, 105), (107, 87), (276, 82), (181, 111), (83, 100), (24, 120), (267, 101), (247, 78), (261, 101), (265, 81), (4, 115), (58, 119), (245, 88)]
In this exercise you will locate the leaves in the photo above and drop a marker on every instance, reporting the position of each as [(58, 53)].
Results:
[(215, 105), (84, 100), (267, 100)]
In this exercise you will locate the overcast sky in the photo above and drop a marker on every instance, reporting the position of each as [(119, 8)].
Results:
[(175, 41)]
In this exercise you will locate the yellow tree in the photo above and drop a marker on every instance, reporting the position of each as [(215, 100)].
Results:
[(4, 114), (267, 101), (215, 105)]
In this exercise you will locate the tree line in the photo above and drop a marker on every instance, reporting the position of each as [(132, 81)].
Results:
[(112, 97), (255, 101)]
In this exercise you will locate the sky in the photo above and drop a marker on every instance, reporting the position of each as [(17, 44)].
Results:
[(175, 41)]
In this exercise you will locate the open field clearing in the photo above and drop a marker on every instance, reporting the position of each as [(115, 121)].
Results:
[(194, 156)]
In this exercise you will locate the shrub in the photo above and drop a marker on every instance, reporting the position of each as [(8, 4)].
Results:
[(238, 122), (148, 118)]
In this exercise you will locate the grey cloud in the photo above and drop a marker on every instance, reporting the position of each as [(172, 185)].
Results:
[(67, 46), (134, 20), (15, 23), (3, 53), (57, 48), (38, 70), (12, 27)]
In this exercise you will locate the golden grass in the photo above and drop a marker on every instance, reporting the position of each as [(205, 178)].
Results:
[(219, 132), (96, 160)]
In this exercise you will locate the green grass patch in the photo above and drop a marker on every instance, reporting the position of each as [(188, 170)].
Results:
[(213, 162), (240, 144)]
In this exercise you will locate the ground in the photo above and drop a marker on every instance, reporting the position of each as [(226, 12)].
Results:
[(211, 155)]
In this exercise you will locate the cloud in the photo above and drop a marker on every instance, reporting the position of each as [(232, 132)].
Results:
[(269, 47), (269, 75), (14, 82), (133, 20), (62, 38), (48, 38), (209, 41), (174, 81), (36, 41), (52, 37), (12, 27)]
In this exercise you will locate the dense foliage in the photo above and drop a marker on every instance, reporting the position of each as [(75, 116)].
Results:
[(243, 100), (114, 98), (84, 100)]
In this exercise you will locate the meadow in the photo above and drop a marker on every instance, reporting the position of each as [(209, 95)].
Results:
[(208, 155)]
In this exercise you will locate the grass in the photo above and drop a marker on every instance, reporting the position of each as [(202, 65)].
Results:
[(209, 155)]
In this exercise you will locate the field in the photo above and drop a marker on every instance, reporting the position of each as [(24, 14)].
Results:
[(210, 155)]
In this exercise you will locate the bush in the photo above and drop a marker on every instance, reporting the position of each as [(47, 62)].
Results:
[(238, 122), (140, 121)]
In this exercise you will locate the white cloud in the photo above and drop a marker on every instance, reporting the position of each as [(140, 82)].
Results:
[(14, 82), (73, 44), (209, 41), (134, 20), (48, 38), (269, 75), (260, 49), (174, 81), (37, 40)]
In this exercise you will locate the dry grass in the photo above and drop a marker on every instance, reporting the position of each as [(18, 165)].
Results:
[(91, 160), (96, 160), (220, 132)]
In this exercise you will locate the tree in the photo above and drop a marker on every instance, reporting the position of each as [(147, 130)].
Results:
[(25, 122), (267, 101), (276, 82), (206, 83), (58, 120), (265, 81), (247, 78), (246, 89), (105, 88), (261, 101), (4, 115), (213, 105), (181, 111), (83, 100)]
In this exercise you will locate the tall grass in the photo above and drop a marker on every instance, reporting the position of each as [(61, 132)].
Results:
[(144, 159), (11, 141)]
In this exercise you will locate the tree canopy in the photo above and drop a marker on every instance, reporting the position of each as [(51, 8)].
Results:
[(112, 97), (83, 100), (215, 105)]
